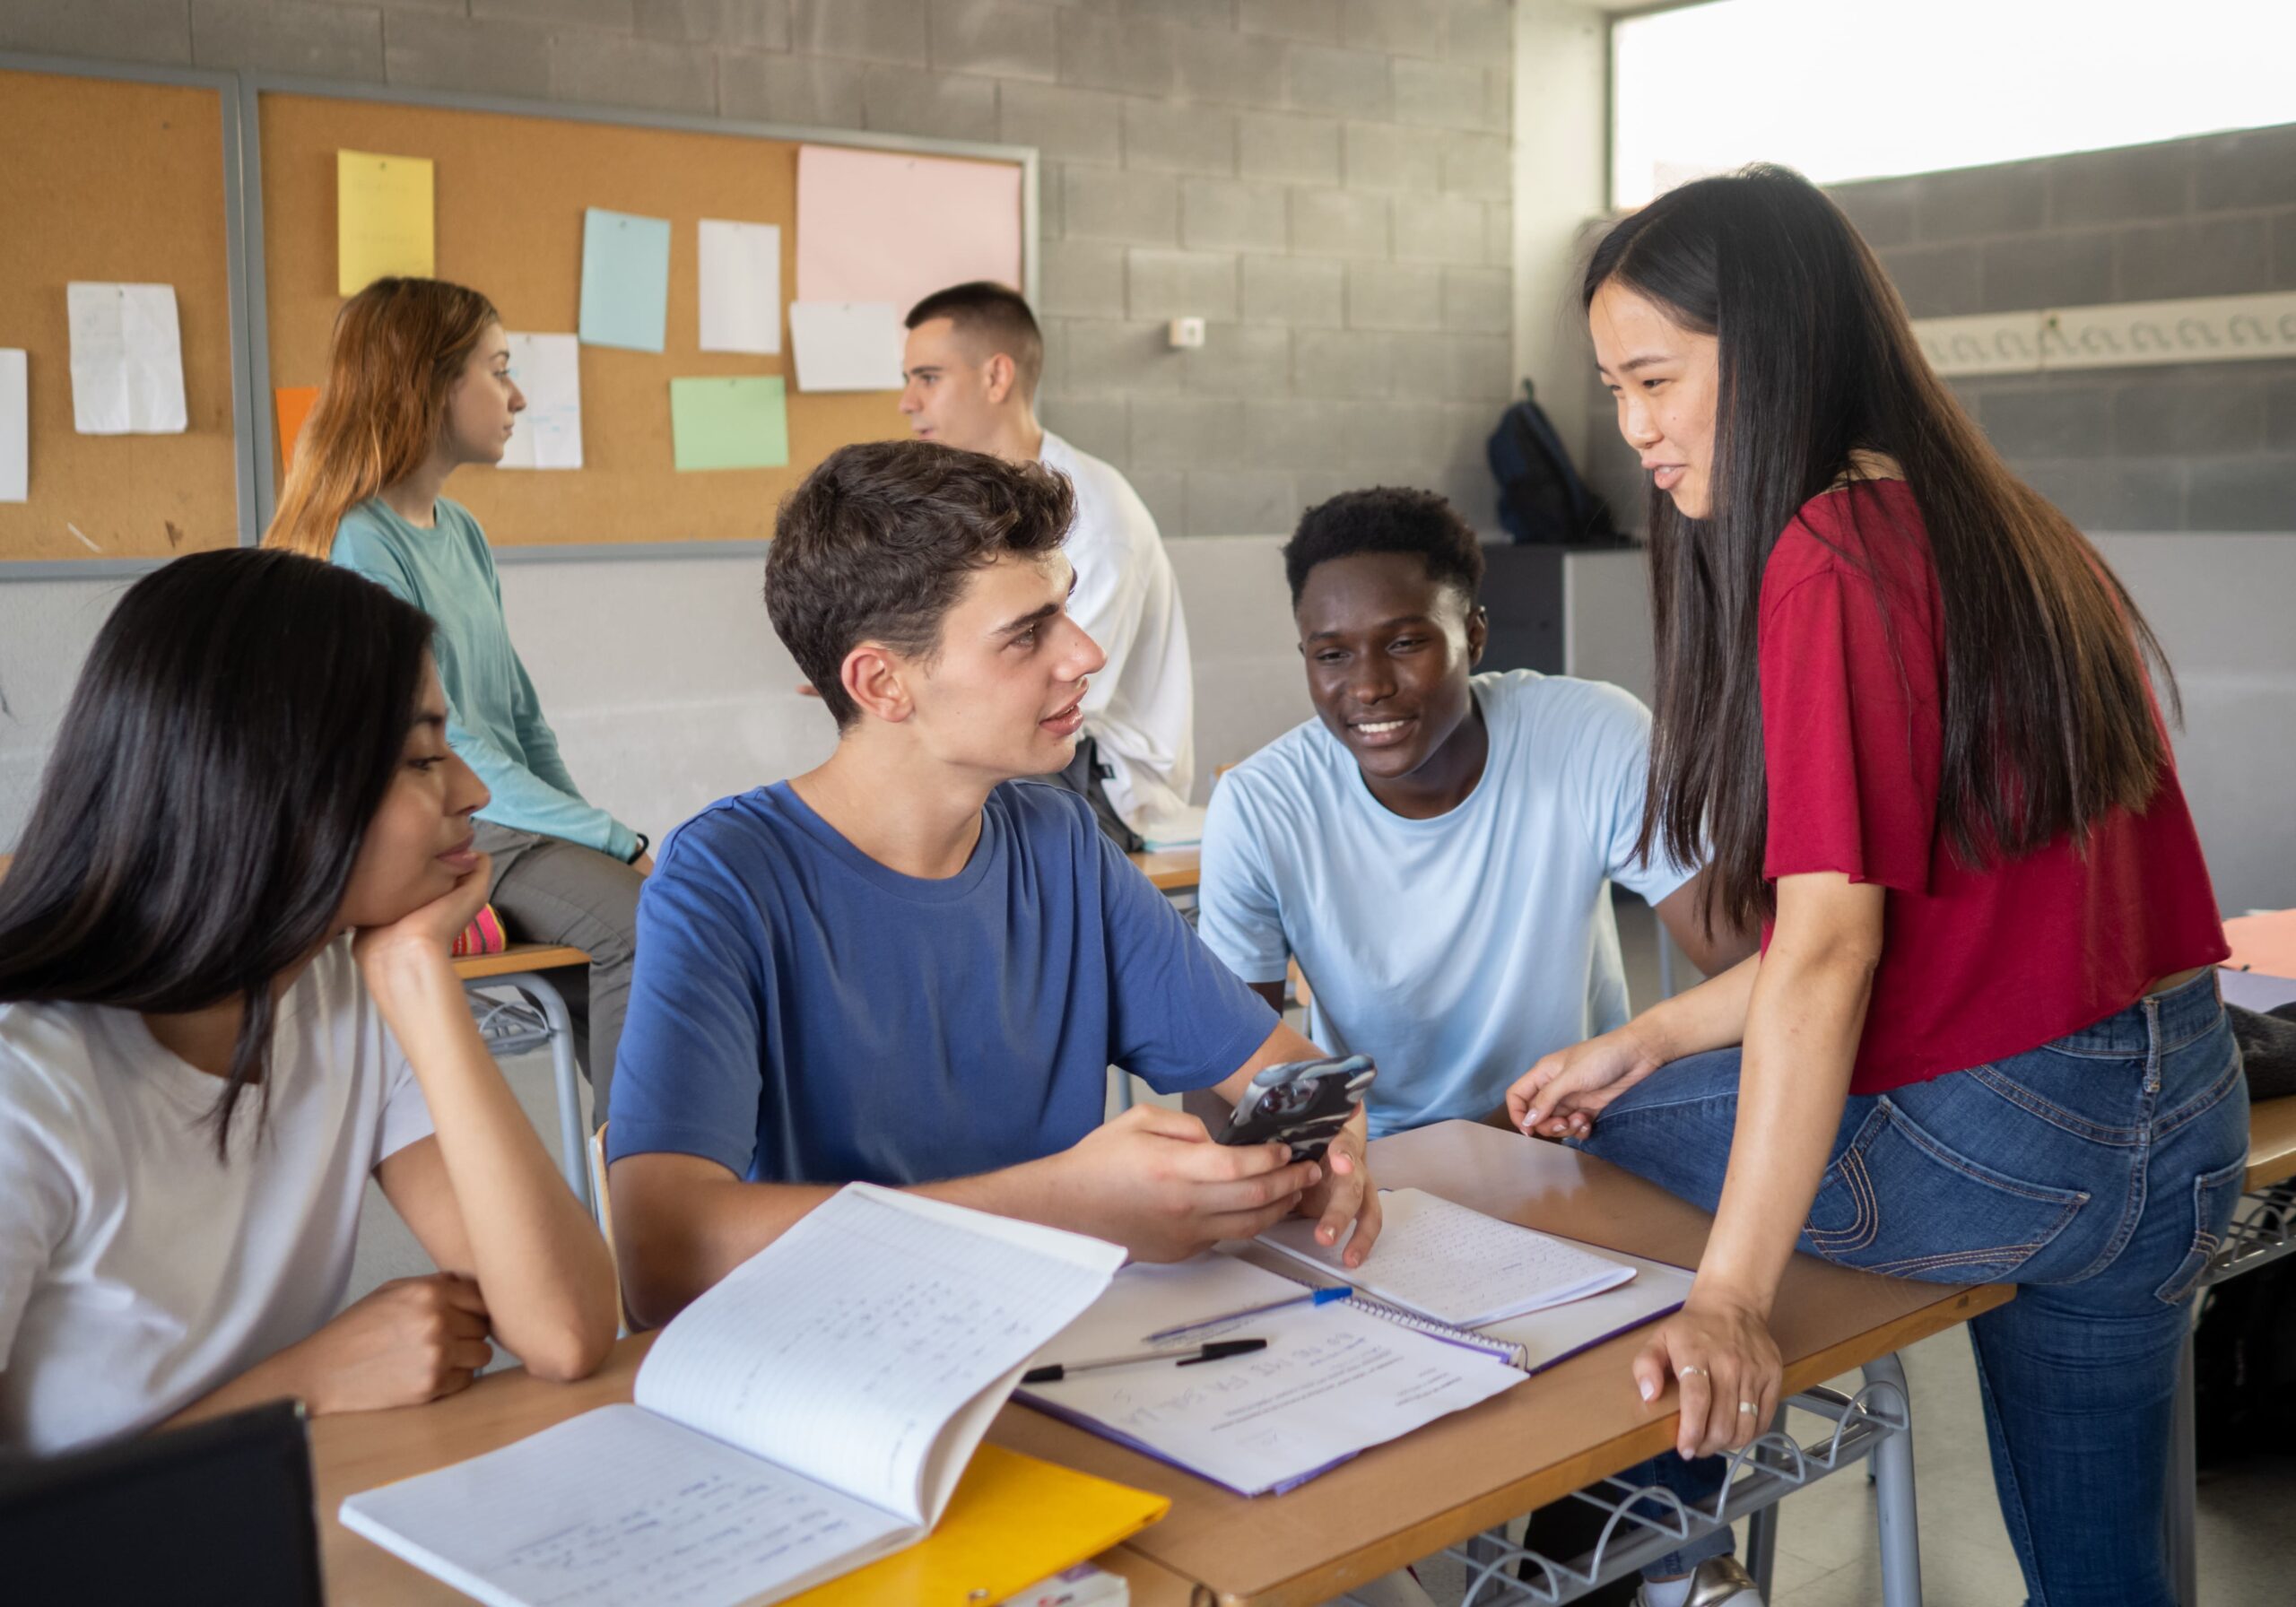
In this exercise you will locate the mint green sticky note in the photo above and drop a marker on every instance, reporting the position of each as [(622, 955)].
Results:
[(735, 422)]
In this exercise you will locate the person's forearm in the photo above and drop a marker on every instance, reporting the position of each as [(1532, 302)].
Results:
[(1802, 1027), (279, 1378), (1713, 1015), (545, 1274)]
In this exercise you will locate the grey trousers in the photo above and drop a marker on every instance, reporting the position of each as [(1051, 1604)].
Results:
[(549, 890)]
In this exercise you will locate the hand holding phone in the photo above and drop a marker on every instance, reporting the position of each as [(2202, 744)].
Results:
[(1303, 1103)]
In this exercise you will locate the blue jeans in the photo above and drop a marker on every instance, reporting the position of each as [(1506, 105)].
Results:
[(2098, 1172)]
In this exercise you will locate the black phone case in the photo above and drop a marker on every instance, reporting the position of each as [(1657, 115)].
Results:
[(1268, 1115)]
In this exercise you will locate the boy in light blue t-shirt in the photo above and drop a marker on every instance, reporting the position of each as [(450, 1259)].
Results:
[(1436, 846)]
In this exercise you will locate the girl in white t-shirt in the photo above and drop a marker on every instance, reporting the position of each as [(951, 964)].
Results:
[(225, 1003)]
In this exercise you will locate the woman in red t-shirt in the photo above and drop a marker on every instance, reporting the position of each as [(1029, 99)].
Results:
[(1902, 708)]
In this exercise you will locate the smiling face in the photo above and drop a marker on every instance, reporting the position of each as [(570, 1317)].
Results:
[(953, 390), (1002, 694), (1665, 378), (1388, 651), (418, 845), (483, 401)]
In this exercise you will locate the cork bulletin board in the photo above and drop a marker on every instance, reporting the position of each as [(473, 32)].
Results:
[(128, 178), (512, 184)]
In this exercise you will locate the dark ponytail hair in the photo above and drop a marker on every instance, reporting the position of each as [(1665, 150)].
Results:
[(2048, 718), (232, 734)]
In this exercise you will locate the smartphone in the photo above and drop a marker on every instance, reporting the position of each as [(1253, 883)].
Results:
[(1303, 1104)]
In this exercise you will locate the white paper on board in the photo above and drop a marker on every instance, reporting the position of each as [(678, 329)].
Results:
[(740, 287), (15, 429), (846, 345), (126, 359), (547, 368)]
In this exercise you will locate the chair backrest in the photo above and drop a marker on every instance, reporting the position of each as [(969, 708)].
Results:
[(218, 1511)]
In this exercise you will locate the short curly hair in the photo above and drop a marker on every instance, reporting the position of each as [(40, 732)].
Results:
[(1386, 519), (876, 545)]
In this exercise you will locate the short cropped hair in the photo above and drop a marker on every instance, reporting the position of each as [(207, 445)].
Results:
[(995, 313), (1386, 519), (876, 545)]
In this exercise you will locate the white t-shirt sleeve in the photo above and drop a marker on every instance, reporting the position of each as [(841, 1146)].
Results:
[(1107, 602), (1238, 916), (1612, 759), (35, 1209), (406, 1115)]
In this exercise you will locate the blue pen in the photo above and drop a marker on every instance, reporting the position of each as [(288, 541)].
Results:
[(1313, 1297)]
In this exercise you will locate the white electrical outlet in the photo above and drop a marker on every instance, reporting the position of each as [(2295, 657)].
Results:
[(1186, 334)]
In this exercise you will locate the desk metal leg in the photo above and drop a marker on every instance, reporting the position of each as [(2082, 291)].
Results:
[(2183, 1470), (1762, 1532), (1900, 1528), (573, 1147)]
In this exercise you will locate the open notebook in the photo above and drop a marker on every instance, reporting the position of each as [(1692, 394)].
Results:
[(1332, 1381), (1456, 1265), (812, 1412)]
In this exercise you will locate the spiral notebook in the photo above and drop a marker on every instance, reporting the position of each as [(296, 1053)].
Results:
[(1455, 1264), (1332, 1381), (1531, 1299)]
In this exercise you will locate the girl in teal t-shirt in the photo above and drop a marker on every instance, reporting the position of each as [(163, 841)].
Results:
[(418, 385)]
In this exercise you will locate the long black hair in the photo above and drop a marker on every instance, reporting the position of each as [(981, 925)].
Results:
[(2048, 718), (232, 734)]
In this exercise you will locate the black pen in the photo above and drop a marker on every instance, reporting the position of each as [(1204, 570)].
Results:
[(1218, 1349)]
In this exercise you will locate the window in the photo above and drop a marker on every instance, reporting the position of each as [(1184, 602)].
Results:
[(1861, 89)]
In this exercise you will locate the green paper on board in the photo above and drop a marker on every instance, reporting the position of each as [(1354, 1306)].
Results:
[(736, 422)]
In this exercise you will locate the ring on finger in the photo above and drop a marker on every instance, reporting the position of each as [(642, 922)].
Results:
[(1746, 1406), (1684, 1372)]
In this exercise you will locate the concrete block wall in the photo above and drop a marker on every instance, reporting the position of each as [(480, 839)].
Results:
[(2208, 447), (2204, 446), (1326, 182)]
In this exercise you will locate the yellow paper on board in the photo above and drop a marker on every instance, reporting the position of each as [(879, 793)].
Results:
[(1012, 1521), (384, 218)]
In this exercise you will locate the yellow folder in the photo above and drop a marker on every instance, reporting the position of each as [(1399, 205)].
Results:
[(1013, 1521)]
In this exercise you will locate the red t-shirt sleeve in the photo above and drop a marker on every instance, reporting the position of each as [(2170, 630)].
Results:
[(1851, 737)]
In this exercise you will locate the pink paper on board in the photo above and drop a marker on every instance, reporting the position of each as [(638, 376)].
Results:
[(882, 226)]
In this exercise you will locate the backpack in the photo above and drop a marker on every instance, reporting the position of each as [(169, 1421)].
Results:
[(2244, 1355), (1542, 499)]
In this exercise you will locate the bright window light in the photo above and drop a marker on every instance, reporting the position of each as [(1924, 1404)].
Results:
[(1862, 89)]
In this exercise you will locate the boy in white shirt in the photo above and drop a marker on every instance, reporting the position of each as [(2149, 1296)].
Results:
[(971, 363), (1436, 848)]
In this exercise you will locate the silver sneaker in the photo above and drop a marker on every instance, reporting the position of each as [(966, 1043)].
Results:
[(1716, 1579)]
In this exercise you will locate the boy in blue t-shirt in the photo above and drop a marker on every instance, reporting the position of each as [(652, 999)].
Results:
[(1494, 809), (909, 966)]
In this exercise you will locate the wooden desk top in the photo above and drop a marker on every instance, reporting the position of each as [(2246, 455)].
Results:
[(2272, 1142), (361, 1451), (518, 957), (1172, 870), (1554, 1434), (1557, 1432)]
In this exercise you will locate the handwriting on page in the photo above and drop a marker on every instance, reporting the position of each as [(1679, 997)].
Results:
[(1332, 1381), (904, 1319), (620, 1506), (1459, 1265)]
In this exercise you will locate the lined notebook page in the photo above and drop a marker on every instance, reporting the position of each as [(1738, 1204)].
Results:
[(619, 1507), (1458, 1265), (844, 1347)]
